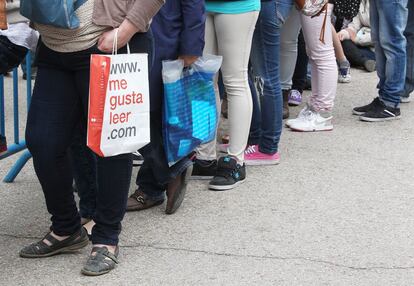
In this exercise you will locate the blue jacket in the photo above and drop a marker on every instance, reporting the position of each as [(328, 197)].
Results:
[(178, 29)]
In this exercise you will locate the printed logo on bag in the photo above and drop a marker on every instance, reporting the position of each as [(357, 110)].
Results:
[(119, 104)]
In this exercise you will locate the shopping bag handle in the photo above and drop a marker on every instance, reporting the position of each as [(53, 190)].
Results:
[(115, 44)]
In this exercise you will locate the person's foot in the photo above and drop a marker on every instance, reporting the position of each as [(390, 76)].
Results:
[(228, 175), (285, 104), (3, 145), (344, 75), (176, 190), (139, 201), (294, 97), (53, 244), (310, 121), (404, 99), (365, 108), (380, 112), (103, 259), (88, 224), (204, 169), (370, 65), (137, 159), (253, 157), (301, 115)]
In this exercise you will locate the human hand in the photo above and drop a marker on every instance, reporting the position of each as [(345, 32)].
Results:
[(125, 33), (344, 35), (188, 60)]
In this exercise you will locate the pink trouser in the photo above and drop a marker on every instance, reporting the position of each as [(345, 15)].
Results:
[(322, 60)]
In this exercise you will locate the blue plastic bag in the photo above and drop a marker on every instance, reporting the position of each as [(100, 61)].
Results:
[(190, 111), (58, 13)]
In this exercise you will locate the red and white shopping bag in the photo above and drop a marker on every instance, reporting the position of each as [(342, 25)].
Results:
[(118, 119)]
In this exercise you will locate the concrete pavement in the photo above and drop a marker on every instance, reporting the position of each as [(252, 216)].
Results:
[(338, 210)]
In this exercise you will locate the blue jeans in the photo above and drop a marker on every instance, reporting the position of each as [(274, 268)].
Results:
[(388, 22), (267, 121), (409, 34)]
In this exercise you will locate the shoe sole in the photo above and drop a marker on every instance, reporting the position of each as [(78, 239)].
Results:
[(226, 187), (294, 103), (179, 195), (368, 119), (405, 100), (261, 162), (313, 130), (67, 249), (90, 273), (358, 113)]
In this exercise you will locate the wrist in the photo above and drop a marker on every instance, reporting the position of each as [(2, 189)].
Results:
[(126, 30)]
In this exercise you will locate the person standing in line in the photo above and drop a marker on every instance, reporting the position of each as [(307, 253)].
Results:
[(178, 31), (317, 115), (57, 110), (388, 22), (268, 118), (229, 33)]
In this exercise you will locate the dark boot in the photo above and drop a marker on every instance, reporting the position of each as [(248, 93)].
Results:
[(285, 104)]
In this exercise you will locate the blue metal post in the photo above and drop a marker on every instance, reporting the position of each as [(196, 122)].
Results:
[(16, 105)]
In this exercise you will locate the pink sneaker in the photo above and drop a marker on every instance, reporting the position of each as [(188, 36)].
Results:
[(253, 157)]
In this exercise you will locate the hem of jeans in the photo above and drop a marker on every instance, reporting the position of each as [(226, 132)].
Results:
[(267, 151), (390, 103), (159, 197)]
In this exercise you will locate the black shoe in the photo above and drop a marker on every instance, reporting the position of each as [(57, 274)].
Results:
[(229, 174), (176, 191), (137, 159), (40, 249), (204, 170), (381, 113), (375, 104)]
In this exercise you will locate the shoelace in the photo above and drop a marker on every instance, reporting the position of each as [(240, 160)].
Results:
[(250, 150)]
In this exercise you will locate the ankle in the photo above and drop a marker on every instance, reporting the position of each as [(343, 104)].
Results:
[(111, 248)]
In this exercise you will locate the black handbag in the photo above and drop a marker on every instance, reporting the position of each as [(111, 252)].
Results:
[(347, 9)]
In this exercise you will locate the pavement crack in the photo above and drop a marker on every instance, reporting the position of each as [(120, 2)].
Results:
[(228, 254), (272, 257)]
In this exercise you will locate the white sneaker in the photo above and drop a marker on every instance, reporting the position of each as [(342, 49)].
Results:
[(405, 99), (301, 115), (311, 121)]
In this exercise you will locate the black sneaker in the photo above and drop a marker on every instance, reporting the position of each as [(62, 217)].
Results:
[(229, 174), (137, 159), (381, 113), (363, 109), (204, 169)]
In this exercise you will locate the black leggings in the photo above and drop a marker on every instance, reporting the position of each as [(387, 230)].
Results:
[(356, 55)]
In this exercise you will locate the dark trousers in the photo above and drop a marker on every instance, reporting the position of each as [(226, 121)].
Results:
[(83, 162), (301, 68), (59, 105), (11, 55), (356, 55)]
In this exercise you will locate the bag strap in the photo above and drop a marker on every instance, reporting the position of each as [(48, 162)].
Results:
[(78, 3)]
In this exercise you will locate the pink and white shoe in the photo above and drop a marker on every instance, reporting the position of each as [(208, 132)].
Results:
[(253, 157)]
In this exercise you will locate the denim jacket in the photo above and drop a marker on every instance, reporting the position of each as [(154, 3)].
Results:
[(114, 12)]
